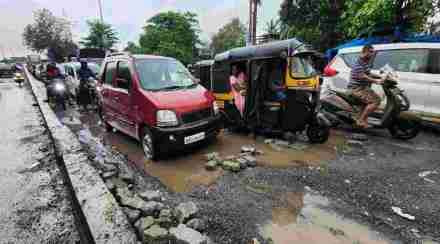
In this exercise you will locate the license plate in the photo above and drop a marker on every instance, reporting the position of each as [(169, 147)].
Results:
[(194, 138)]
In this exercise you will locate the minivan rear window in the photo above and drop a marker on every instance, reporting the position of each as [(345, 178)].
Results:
[(350, 58), (163, 74)]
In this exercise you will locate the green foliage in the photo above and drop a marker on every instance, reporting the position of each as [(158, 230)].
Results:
[(230, 36), (273, 27), (316, 22), (172, 34), (133, 48), (326, 23), (49, 32), (368, 15), (101, 35)]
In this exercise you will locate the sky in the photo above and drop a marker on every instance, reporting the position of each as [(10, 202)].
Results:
[(127, 16)]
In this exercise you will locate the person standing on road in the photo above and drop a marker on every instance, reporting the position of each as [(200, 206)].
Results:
[(360, 83), (84, 73), (238, 85)]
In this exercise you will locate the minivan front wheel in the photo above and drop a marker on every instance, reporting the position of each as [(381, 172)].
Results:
[(148, 147)]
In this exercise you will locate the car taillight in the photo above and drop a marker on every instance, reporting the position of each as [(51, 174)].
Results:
[(329, 71)]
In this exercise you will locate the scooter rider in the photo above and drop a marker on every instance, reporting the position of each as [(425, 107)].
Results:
[(84, 73), (360, 83)]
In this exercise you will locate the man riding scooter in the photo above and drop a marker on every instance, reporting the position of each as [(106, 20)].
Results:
[(360, 83), (84, 74)]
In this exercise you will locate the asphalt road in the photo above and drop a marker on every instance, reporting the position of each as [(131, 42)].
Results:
[(34, 203)]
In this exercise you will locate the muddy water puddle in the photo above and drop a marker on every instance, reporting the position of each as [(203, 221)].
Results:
[(181, 171), (299, 217)]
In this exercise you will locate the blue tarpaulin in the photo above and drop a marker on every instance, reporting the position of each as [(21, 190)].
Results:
[(397, 37)]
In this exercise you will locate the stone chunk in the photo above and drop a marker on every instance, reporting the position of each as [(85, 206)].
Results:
[(212, 156), (132, 214), (211, 165), (151, 196), (185, 235), (144, 223), (156, 235), (166, 219), (197, 224), (251, 161), (231, 165), (186, 210), (109, 174), (242, 162)]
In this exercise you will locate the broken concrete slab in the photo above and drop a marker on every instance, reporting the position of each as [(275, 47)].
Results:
[(156, 235), (144, 223), (185, 235), (151, 195), (197, 224), (186, 210), (132, 214)]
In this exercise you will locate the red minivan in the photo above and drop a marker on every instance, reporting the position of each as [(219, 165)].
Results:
[(157, 101)]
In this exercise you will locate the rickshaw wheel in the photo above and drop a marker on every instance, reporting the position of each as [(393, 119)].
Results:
[(318, 134)]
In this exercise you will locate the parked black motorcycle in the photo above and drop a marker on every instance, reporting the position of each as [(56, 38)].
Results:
[(341, 107), (57, 93)]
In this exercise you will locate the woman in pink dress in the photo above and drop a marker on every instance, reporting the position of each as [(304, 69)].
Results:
[(238, 87)]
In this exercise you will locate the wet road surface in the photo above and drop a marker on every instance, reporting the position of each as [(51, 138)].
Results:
[(34, 204), (183, 170)]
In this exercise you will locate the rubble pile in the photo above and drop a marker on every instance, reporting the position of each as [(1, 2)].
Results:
[(234, 163)]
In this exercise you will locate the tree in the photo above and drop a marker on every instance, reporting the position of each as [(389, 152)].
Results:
[(315, 22), (326, 23), (133, 48), (172, 34), (101, 35), (368, 15), (49, 32), (230, 36), (272, 27)]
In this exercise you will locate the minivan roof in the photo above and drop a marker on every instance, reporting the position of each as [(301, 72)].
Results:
[(393, 46)]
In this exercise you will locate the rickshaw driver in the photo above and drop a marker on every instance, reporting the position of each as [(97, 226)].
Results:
[(275, 85)]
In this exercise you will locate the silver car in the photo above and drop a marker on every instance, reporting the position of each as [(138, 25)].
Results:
[(416, 64)]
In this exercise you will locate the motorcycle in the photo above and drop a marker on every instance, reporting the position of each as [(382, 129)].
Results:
[(19, 79), (343, 108), (57, 92)]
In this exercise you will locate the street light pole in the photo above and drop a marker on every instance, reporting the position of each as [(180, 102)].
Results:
[(100, 11)]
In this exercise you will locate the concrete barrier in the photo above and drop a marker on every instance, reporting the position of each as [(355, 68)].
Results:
[(100, 217)]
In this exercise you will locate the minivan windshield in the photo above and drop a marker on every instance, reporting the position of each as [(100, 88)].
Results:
[(158, 75), (301, 67)]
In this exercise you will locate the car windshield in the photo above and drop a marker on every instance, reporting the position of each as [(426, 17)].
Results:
[(163, 74), (301, 67)]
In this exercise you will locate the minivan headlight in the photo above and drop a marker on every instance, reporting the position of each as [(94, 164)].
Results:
[(215, 107), (166, 118)]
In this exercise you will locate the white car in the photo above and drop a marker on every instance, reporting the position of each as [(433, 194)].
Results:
[(71, 72), (416, 64)]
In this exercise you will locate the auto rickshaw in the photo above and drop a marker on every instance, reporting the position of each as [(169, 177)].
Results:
[(202, 71), (287, 63)]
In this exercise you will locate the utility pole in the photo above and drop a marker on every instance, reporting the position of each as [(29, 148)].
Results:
[(253, 7), (100, 11), (3, 52)]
